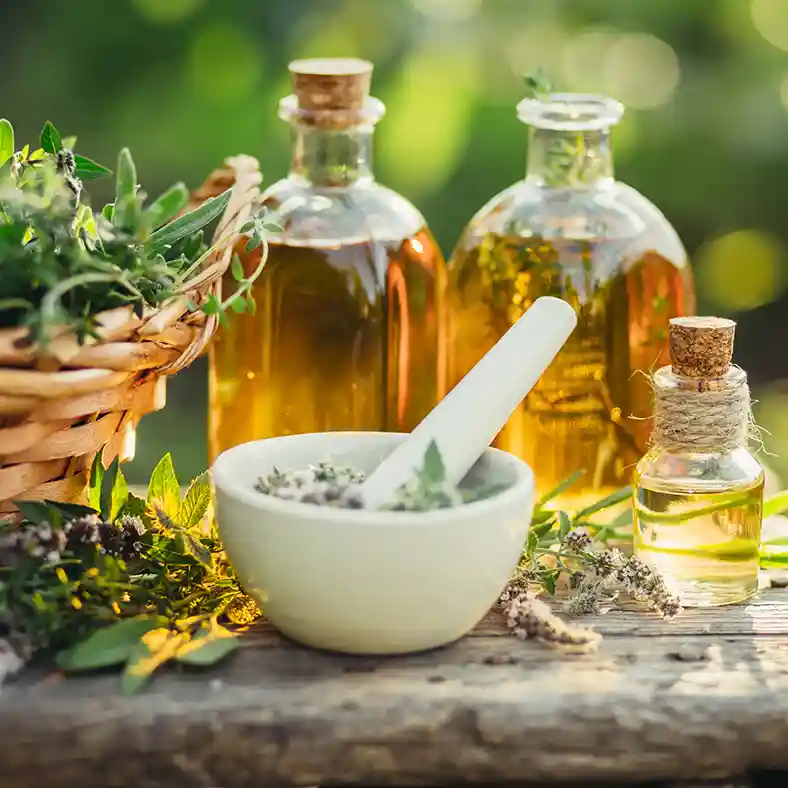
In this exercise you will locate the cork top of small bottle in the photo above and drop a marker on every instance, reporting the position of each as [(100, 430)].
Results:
[(331, 93), (701, 347)]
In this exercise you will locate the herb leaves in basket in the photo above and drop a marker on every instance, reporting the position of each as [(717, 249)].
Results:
[(61, 263)]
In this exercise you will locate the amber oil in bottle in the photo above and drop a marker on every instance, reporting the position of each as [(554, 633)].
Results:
[(348, 321), (570, 230), (699, 492)]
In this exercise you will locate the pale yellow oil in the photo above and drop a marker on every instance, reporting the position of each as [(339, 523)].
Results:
[(705, 542)]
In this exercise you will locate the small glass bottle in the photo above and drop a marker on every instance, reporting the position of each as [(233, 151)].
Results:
[(699, 492), (571, 230), (349, 313)]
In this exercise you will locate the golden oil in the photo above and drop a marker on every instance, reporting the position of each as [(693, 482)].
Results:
[(704, 539), (570, 230), (345, 337)]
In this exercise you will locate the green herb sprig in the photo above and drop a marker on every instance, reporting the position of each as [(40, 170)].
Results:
[(61, 263), (123, 582)]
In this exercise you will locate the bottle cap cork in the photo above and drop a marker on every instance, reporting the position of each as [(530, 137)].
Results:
[(701, 347), (322, 84)]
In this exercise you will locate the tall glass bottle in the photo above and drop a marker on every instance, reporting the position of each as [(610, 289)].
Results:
[(349, 305), (571, 230)]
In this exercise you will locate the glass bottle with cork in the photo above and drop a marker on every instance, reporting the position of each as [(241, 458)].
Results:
[(699, 491), (349, 314), (570, 230)]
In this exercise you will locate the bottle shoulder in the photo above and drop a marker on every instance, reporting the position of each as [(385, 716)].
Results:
[(698, 473), (365, 210), (607, 212)]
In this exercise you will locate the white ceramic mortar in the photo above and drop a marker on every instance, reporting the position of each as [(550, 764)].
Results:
[(368, 582)]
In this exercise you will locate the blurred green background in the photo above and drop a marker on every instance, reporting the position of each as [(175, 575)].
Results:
[(185, 83)]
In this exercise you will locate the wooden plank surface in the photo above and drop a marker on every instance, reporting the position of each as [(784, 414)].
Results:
[(699, 698)]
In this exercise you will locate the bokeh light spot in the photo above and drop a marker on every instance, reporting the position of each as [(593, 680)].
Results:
[(742, 270), (167, 12), (770, 18), (225, 64), (448, 10), (427, 125), (641, 70), (537, 45), (584, 60)]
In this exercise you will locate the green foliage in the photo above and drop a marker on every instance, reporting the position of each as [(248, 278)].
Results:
[(61, 264), (125, 582)]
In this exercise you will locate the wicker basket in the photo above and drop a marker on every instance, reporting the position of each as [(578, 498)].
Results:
[(58, 408)]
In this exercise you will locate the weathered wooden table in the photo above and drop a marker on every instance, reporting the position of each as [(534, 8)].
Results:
[(703, 697)]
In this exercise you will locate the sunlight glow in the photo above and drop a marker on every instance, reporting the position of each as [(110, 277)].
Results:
[(770, 18), (642, 70), (722, 262), (225, 64)]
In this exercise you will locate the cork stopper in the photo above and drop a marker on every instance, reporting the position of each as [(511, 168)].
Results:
[(701, 347), (322, 84)]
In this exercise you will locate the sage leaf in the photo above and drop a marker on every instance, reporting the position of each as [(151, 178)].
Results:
[(163, 487), (187, 224), (434, 471), (211, 643), (114, 492), (6, 141), (112, 645), (126, 182), (153, 649), (605, 503), (565, 524), (559, 488), (50, 139), (167, 206), (88, 170), (34, 511), (237, 268), (191, 545), (195, 504), (70, 142), (96, 481)]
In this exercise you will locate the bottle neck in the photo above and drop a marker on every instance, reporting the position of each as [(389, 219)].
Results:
[(330, 157), (569, 158)]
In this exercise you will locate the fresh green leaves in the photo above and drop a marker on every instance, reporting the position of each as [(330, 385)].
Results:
[(6, 141), (125, 582), (538, 85), (187, 224), (110, 646), (50, 139), (133, 253), (88, 170), (168, 205), (163, 487)]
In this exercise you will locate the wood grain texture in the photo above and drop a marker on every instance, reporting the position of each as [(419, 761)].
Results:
[(700, 698)]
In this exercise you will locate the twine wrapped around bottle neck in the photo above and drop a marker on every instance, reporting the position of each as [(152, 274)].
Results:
[(702, 401), (702, 419)]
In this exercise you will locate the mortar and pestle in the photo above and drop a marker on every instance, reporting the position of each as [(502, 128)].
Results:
[(366, 581)]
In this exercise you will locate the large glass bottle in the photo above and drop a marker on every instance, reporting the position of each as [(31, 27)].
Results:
[(349, 304), (571, 230)]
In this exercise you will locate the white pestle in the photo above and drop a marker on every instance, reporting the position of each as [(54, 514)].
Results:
[(467, 419)]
